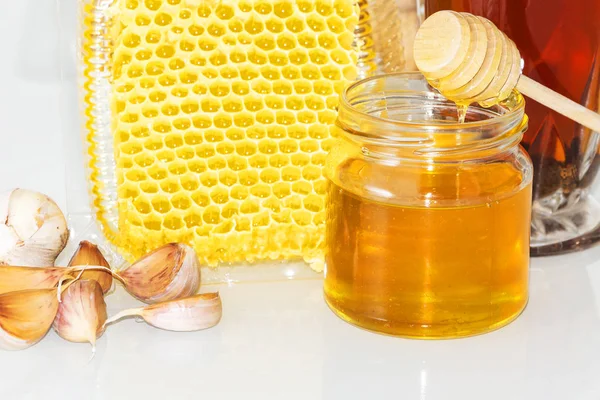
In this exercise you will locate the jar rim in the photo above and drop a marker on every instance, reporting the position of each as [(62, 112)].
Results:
[(515, 111), (429, 119)]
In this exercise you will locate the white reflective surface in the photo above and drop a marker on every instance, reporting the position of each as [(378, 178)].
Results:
[(280, 341), (276, 340)]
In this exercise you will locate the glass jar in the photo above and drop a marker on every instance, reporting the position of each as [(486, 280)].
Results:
[(559, 42), (428, 220)]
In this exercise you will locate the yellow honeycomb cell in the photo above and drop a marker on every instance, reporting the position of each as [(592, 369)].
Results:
[(221, 113)]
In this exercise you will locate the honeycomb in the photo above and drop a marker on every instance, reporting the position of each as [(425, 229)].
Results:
[(220, 116)]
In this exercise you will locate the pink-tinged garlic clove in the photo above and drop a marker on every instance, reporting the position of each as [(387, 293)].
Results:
[(183, 315), (88, 254), (169, 272), (81, 313)]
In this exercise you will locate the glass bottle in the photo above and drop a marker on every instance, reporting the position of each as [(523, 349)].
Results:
[(384, 36), (559, 42), (428, 220)]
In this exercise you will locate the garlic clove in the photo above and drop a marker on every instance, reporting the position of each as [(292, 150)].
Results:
[(169, 272), (183, 315), (33, 229), (13, 279), (88, 254), (81, 313), (25, 317)]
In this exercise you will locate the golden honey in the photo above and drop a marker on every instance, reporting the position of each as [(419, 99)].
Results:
[(430, 271), (428, 238)]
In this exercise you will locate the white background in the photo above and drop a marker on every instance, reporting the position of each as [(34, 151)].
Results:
[(31, 151)]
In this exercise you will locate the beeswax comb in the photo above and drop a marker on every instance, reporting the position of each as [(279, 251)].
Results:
[(208, 122)]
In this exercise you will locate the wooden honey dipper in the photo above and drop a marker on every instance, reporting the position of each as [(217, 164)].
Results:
[(469, 60)]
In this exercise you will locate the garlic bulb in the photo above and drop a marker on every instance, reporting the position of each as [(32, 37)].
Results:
[(13, 279), (183, 315), (88, 254), (25, 317), (33, 230), (81, 313), (169, 272)]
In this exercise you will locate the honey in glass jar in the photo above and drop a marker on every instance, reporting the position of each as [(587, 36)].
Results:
[(428, 220)]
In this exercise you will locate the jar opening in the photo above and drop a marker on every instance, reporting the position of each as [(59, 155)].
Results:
[(403, 110)]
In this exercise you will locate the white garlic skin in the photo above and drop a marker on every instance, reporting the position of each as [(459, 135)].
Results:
[(33, 229)]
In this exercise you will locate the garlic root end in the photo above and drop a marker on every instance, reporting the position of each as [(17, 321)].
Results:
[(131, 312)]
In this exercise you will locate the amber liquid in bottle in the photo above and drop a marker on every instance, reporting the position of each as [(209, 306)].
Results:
[(559, 42), (430, 271)]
